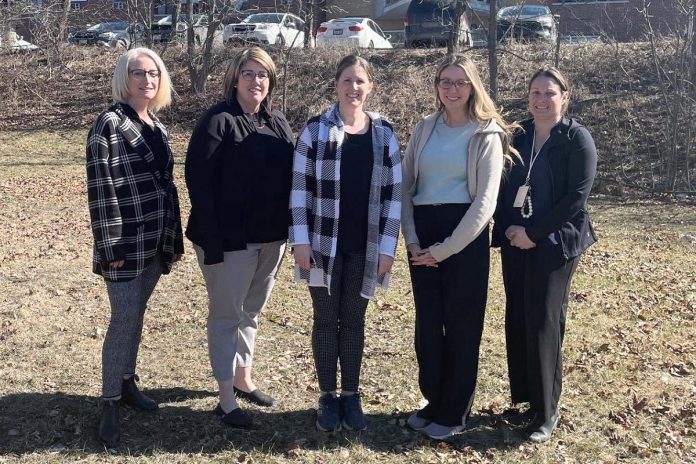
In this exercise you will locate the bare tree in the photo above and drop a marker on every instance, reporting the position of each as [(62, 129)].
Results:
[(675, 72), (493, 50), (456, 8)]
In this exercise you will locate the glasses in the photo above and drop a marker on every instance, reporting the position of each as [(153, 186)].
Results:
[(141, 73), (249, 75), (448, 84)]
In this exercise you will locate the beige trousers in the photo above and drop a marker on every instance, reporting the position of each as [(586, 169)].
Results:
[(238, 289)]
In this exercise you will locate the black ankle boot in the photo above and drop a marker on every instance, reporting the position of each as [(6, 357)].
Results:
[(109, 432), (134, 397)]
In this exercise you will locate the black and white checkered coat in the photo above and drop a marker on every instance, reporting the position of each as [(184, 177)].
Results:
[(133, 207), (314, 198)]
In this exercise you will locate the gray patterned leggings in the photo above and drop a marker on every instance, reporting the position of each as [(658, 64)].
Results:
[(120, 351), (338, 332)]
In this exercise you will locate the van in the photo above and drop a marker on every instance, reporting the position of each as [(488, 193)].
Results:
[(429, 22)]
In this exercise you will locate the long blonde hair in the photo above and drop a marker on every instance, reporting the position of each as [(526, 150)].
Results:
[(480, 104)]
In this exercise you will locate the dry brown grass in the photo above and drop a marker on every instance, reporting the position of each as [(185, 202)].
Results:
[(629, 391)]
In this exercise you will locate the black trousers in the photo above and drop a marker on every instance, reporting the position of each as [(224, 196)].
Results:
[(450, 305), (537, 284), (338, 331)]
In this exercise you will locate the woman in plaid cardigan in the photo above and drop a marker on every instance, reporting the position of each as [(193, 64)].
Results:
[(134, 212), (345, 214)]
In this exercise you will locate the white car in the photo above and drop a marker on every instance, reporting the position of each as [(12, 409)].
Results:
[(352, 32), (162, 29), (20, 44), (283, 29)]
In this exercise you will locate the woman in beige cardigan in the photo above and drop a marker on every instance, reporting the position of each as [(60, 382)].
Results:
[(451, 175)]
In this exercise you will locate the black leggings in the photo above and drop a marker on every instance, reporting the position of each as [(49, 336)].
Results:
[(338, 332)]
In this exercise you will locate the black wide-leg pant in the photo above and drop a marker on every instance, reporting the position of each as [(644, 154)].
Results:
[(450, 305), (537, 284)]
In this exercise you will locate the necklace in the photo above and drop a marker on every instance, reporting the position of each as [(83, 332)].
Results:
[(527, 208)]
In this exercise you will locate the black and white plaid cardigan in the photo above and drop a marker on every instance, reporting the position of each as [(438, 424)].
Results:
[(133, 207), (314, 198)]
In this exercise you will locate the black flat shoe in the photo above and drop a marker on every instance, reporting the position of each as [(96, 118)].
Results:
[(109, 428), (236, 418), (132, 396), (257, 397), (539, 433), (520, 419)]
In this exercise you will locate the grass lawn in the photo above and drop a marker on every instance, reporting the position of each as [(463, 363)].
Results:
[(629, 386)]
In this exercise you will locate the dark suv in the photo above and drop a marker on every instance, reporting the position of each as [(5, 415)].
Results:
[(429, 22)]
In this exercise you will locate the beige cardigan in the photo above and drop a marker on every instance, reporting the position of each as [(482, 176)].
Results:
[(485, 160)]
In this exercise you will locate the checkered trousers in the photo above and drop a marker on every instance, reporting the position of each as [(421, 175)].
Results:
[(314, 198)]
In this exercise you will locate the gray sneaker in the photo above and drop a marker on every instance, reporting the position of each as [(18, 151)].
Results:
[(328, 413), (417, 423), (441, 432)]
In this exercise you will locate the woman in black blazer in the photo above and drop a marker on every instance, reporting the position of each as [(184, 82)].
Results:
[(238, 174), (543, 226), (134, 212)]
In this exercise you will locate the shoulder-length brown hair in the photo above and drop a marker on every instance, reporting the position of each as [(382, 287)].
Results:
[(257, 54)]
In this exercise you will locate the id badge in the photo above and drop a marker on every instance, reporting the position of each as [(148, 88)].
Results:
[(521, 195)]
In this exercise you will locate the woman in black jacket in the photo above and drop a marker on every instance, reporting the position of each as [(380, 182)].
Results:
[(238, 174), (542, 226), (134, 212)]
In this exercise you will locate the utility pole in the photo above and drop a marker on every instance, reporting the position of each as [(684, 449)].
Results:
[(493, 49)]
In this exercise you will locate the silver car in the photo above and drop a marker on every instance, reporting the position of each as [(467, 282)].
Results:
[(527, 22)]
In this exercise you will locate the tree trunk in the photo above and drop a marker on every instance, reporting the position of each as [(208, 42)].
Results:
[(308, 10), (456, 9), (493, 50), (175, 19), (63, 24)]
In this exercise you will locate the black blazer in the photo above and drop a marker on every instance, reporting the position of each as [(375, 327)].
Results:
[(573, 162), (238, 180), (133, 207)]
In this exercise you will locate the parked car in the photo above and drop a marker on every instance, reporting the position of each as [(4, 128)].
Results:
[(132, 36), (19, 44), (429, 22), (162, 29), (351, 32), (98, 34), (267, 28), (527, 22)]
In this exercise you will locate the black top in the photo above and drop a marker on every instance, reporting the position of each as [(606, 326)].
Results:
[(354, 199), (239, 178), (541, 191), (572, 161), (153, 138)]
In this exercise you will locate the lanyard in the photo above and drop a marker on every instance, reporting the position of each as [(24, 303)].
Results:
[(535, 155)]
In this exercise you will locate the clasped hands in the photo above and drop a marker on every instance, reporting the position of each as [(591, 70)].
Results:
[(420, 257), (302, 254), (518, 237)]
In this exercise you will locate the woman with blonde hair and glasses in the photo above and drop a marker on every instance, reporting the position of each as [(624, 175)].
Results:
[(451, 175), (134, 212), (238, 174)]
